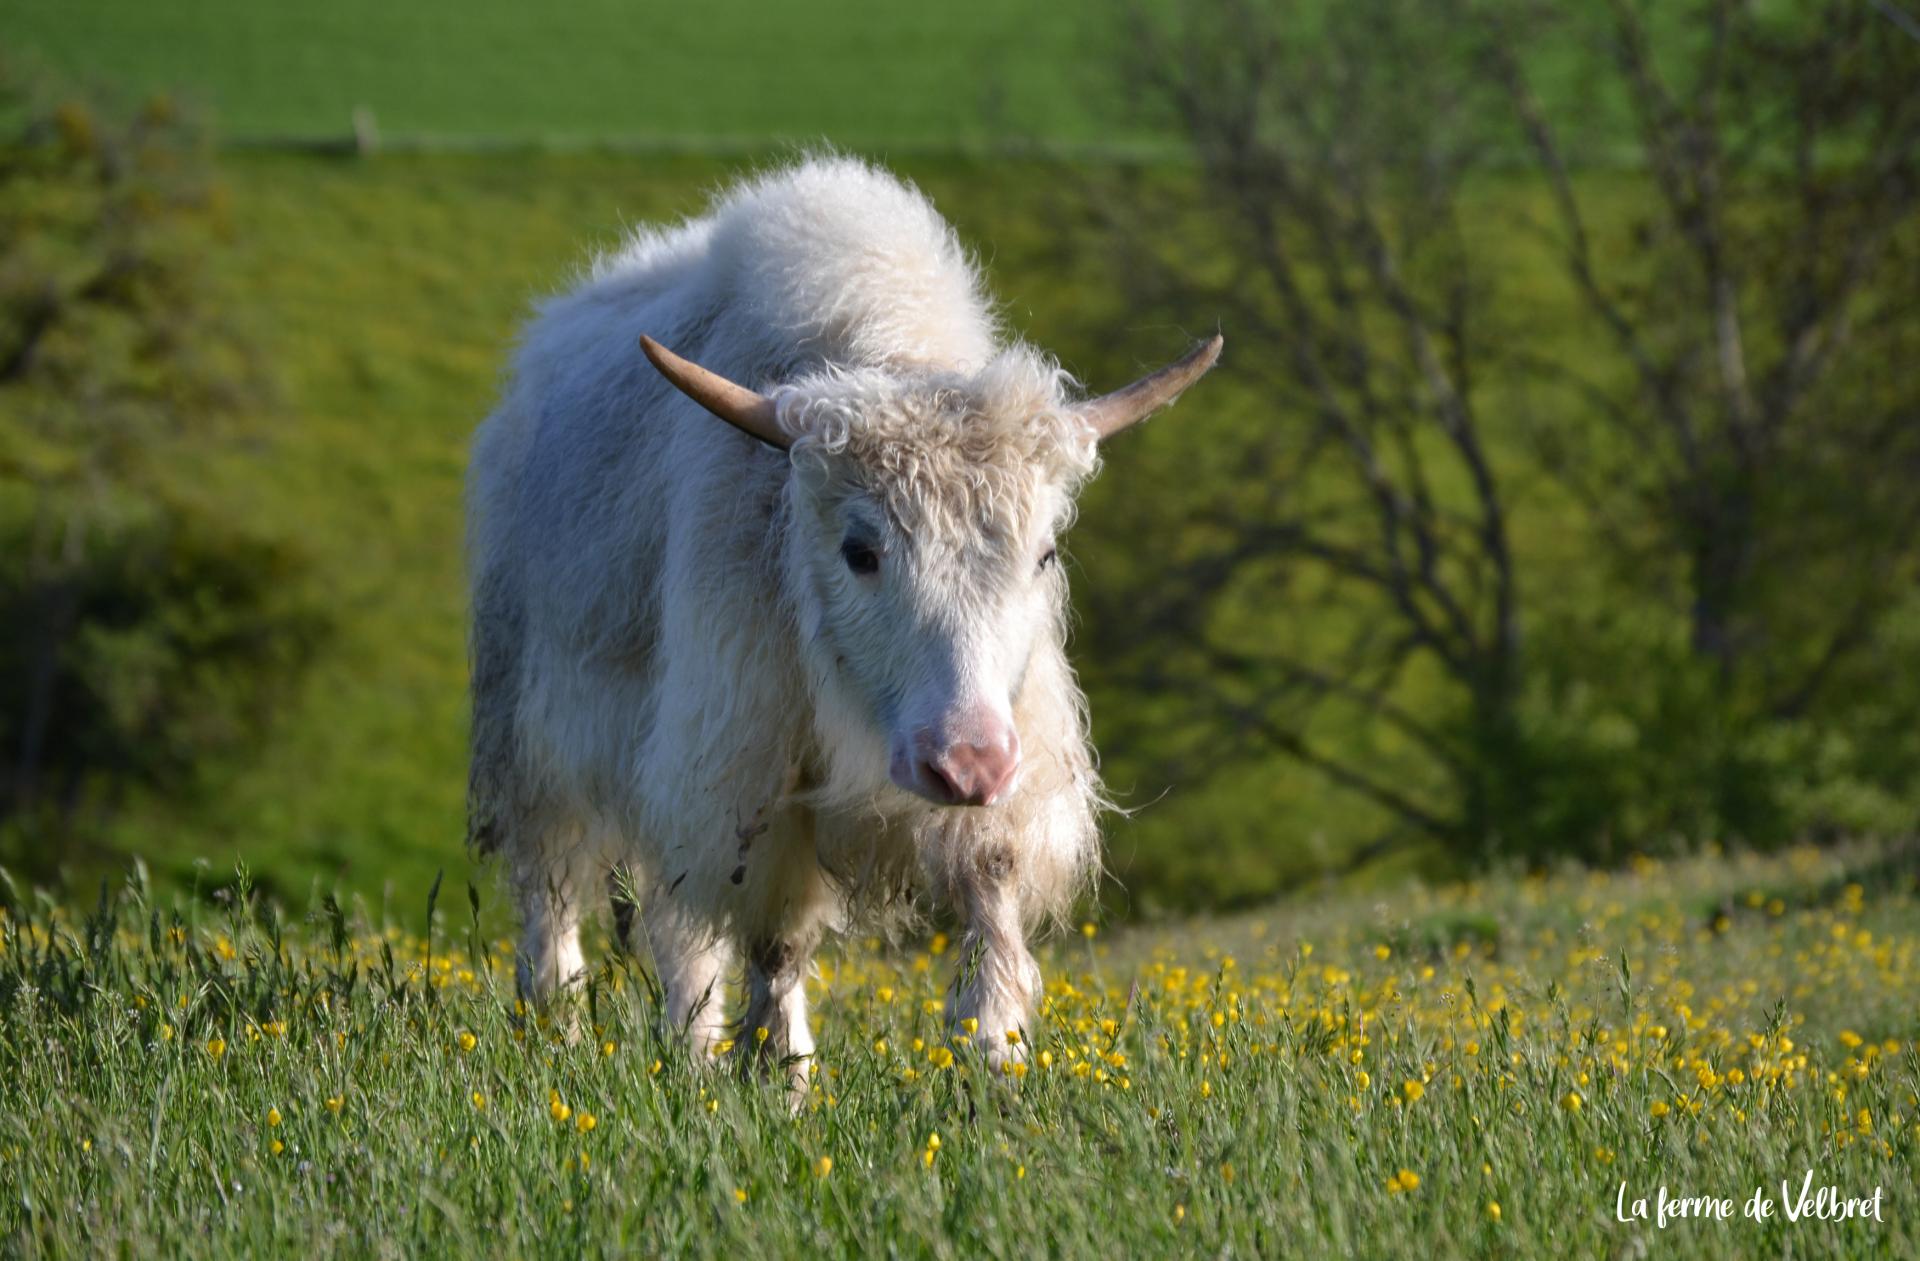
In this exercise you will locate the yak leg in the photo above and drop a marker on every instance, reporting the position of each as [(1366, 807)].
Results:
[(998, 982), (551, 906), (788, 903), (774, 1033), (693, 965)]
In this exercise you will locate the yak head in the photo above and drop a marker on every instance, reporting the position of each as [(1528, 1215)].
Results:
[(923, 509)]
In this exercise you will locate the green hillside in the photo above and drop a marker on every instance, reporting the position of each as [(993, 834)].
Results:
[(735, 73)]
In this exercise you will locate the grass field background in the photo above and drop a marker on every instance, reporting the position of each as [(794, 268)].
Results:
[(723, 76), (733, 73)]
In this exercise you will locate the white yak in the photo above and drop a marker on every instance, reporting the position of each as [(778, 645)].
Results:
[(788, 668)]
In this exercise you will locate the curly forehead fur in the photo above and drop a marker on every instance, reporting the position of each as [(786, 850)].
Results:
[(947, 450)]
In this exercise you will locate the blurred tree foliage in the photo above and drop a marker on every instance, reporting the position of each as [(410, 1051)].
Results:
[(1607, 552), (144, 630)]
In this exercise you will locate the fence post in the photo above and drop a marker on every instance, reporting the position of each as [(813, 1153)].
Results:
[(366, 132)]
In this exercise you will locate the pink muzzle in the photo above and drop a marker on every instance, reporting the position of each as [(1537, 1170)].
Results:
[(976, 768)]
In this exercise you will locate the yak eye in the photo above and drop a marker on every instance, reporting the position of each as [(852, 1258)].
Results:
[(860, 558), (1048, 559)]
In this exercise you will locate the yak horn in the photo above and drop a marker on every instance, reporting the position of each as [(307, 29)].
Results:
[(1110, 413), (746, 410)]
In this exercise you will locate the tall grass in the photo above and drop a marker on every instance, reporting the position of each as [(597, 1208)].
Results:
[(1468, 1071)]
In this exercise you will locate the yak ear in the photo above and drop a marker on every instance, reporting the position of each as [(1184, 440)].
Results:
[(1110, 413), (747, 410)]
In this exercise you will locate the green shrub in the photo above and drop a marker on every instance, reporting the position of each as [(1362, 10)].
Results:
[(145, 629)]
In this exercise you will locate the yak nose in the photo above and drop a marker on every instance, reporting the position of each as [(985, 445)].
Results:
[(976, 771)]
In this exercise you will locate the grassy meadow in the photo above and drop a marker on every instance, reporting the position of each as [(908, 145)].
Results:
[(1469, 1070)]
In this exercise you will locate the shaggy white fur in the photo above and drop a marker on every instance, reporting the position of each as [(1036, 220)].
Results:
[(676, 672)]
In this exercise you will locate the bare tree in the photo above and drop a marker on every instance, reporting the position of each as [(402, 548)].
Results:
[(1353, 308), (1774, 284), (1735, 427)]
